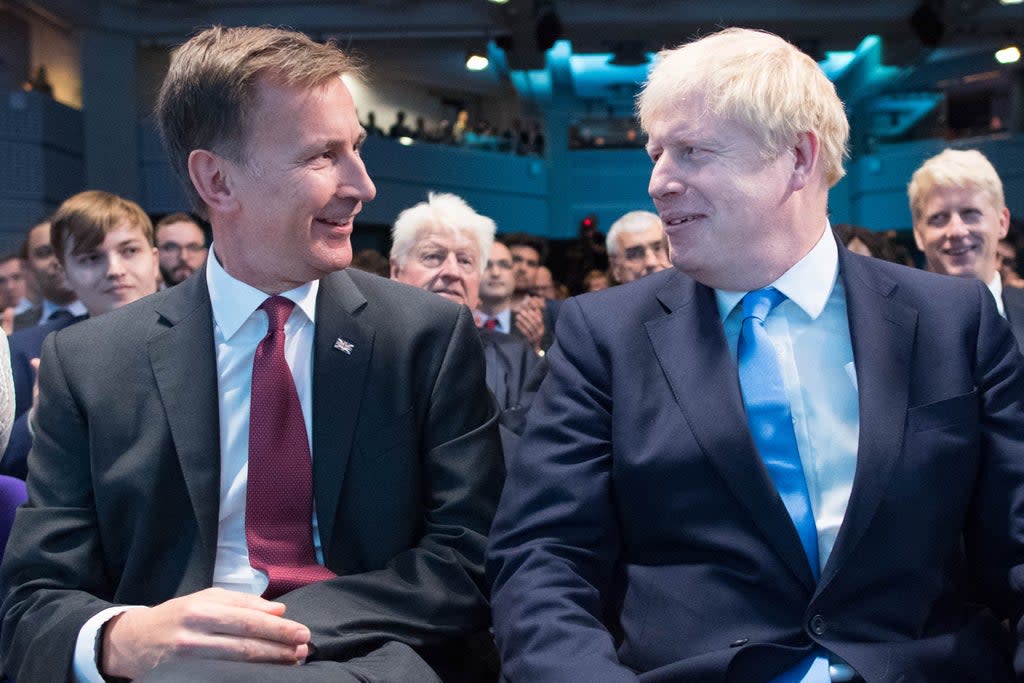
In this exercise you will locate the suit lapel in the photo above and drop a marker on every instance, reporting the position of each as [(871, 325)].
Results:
[(342, 349), (882, 332), (184, 362), (690, 346)]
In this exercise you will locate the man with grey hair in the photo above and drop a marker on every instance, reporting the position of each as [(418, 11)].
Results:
[(960, 215), (438, 245), (778, 461), (636, 246), (276, 470)]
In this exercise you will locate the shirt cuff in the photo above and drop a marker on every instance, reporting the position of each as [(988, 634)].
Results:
[(86, 668)]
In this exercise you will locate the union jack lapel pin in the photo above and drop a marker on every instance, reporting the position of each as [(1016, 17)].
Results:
[(344, 345)]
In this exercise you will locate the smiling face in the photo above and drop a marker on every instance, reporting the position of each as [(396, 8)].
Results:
[(123, 268), (288, 217), (444, 262), (731, 217), (959, 229)]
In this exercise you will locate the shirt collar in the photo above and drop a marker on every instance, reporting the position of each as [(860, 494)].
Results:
[(76, 308), (808, 283), (996, 287), (233, 301)]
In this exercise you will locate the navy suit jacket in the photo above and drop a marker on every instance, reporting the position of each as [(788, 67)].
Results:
[(639, 536), (124, 475), (27, 344), (1013, 305)]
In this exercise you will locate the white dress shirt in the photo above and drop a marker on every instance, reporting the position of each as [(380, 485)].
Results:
[(504, 319), (75, 308), (238, 328), (811, 334), (996, 287)]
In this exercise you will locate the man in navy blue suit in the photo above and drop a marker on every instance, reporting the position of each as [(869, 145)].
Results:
[(645, 534)]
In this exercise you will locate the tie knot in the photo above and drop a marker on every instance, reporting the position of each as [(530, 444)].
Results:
[(760, 302), (277, 308)]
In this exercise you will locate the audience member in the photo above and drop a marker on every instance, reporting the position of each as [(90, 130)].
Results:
[(861, 240), (57, 300), (6, 394), (636, 246), (544, 283), (276, 426), (534, 316), (438, 245), (1006, 263), (104, 244), (371, 126), (496, 289), (595, 281), (182, 247), (371, 261), (703, 495), (12, 291), (959, 214), (398, 128)]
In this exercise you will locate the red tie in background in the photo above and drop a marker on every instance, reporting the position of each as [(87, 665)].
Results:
[(491, 324), (279, 497)]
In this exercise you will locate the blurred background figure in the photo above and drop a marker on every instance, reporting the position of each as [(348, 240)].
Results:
[(371, 261), (636, 246), (861, 240), (595, 281), (181, 243)]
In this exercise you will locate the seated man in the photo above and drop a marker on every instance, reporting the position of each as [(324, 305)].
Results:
[(277, 461), (438, 245), (182, 247), (636, 246), (104, 245), (778, 461)]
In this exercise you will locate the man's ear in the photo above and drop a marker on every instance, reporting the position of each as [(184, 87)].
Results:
[(210, 174), (395, 270), (805, 162)]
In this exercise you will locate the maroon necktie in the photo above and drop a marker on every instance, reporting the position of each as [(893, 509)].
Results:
[(492, 323), (279, 497)]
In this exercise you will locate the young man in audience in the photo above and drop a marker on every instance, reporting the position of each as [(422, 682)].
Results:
[(277, 470), (181, 245), (41, 263), (777, 461), (438, 245), (534, 316), (104, 247), (12, 290), (636, 246), (496, 289), (960, 215)]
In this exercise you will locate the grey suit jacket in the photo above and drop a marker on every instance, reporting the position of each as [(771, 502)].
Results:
[(1013, 305), (124, 483)]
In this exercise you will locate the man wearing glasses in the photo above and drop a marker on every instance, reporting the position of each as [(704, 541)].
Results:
[(181, 245), (636, 246)]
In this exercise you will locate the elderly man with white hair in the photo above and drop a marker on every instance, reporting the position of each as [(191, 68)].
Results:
[(441, 245), (636, 246), (777, 461)]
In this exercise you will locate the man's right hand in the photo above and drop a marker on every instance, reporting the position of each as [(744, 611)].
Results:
[(212, 624)]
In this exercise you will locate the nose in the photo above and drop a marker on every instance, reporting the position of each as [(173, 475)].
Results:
[(957, 227), (353, 180), (665, 178), (115, 266), (449, 268)]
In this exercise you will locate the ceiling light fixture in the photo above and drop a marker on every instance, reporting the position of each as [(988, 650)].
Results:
[(476, 61), (1001, 2), (1008, 55)]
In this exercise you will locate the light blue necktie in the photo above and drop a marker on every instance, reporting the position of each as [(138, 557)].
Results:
[(771, 425)]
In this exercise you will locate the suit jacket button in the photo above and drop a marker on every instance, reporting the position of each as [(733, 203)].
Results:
[(818, 626)]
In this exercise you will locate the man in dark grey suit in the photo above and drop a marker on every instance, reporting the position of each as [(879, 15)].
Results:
[(149, 536), (960, 214)]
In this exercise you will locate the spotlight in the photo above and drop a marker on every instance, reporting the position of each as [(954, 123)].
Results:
[(476, 61), (1008, 55)]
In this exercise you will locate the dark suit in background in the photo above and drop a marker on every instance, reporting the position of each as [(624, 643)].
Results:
[(1013, 305), (124, 483)]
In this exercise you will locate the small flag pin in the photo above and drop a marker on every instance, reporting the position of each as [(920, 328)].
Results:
[(344, 345)]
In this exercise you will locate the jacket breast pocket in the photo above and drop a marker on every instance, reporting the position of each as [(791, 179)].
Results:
[(956, 410)]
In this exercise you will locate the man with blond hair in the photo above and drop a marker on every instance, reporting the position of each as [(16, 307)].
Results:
[(636, 246), (960, 216), (278, 469), (777, 461)]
